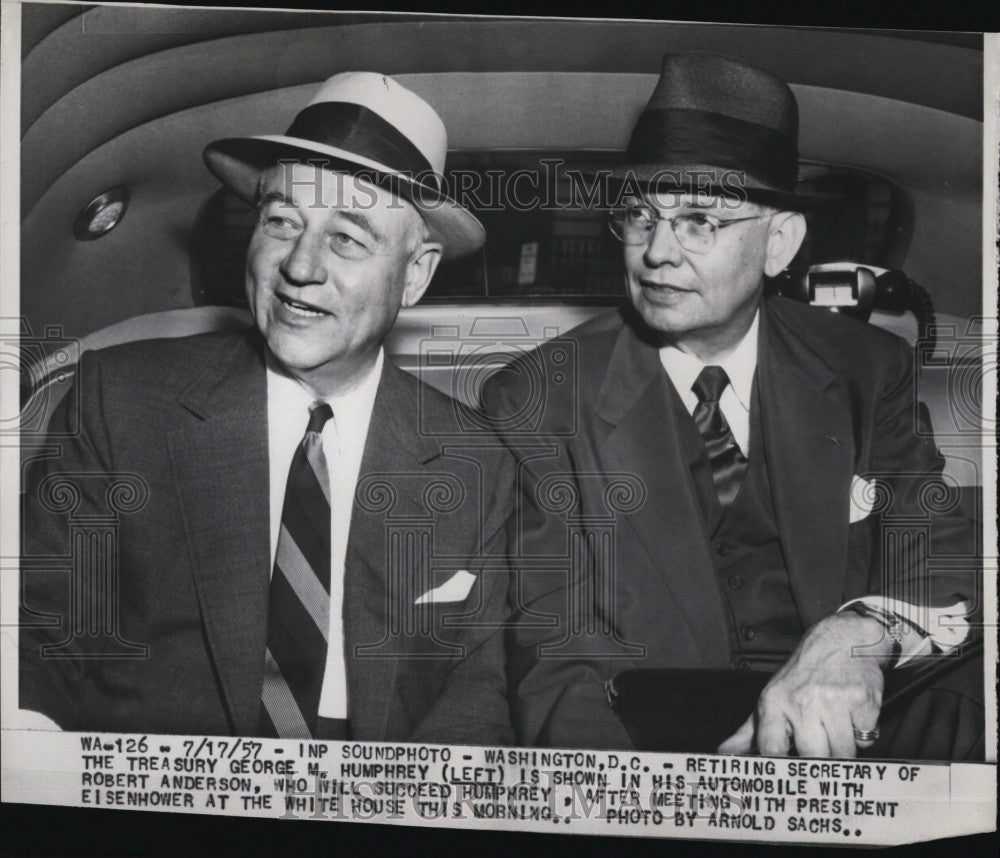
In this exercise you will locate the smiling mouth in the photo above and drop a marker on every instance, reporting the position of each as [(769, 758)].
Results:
[(662, 288), (300, 308)]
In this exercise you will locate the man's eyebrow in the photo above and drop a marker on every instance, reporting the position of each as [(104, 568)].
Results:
[(360, 221), (710, 204), (693, 204), (275, 197)]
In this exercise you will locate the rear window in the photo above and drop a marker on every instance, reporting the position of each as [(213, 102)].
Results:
[(547, 242)]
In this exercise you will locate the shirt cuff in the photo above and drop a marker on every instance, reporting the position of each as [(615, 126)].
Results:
[(929, 629)]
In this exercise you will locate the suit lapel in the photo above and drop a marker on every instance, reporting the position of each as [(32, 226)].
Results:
[(643, 438), (220, 466), (396, 449), (808, 442)]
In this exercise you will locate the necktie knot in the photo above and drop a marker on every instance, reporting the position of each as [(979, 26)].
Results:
[(319, 413), (710, 383)]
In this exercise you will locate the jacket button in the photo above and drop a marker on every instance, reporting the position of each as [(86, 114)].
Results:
[(743, 664), (735, 581), (723, 548), (749, 633)]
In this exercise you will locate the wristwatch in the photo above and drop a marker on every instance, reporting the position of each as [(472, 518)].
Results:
[(892, 623)]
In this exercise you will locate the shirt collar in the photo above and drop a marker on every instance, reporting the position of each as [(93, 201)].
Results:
[(358, 401), (739, 365)]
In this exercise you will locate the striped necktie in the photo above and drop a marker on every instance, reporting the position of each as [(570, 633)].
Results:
[(298, 617), (727, 462)]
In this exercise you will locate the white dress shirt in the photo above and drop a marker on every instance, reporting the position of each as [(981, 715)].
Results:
[(740, 366), (343, 446), (946, 628)]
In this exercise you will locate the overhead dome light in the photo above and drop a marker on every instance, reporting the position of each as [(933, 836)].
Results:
[(101, 215)]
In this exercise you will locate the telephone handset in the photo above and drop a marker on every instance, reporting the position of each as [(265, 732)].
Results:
[(855, 290)]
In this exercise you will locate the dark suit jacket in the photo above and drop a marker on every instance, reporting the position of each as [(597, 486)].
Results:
[(182, 425), (837, 400)]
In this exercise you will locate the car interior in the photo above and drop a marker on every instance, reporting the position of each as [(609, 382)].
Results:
[(125, 235)]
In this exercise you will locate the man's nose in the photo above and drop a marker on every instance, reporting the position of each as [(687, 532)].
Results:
[(304, 263), (663, 247)]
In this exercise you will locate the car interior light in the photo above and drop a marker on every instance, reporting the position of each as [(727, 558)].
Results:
[(101, 215)]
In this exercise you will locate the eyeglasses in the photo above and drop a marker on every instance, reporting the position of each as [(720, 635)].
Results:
[(695, 231)]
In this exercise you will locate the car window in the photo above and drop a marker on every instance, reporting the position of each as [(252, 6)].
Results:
[(547, 235)]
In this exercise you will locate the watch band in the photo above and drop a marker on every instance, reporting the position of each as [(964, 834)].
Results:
[(892, 623)]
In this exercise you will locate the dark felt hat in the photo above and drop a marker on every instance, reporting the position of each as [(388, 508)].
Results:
[(717, 125)]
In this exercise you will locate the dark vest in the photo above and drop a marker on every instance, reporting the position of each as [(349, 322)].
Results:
[(764, 625)]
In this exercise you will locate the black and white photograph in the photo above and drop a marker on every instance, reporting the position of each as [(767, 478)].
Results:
[(507, 423)]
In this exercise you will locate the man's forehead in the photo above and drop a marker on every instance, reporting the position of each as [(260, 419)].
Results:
[(667, 200)]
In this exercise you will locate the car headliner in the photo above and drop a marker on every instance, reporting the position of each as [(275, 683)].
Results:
[(129, 96)]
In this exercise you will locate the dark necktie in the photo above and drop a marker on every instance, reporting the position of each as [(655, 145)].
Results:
[(298, 619), (727, 462)]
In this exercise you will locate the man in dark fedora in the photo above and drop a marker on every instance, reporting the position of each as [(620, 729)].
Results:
[(292, 543), (739, 445)]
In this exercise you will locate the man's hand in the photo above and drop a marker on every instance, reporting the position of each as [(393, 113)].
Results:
[(822, 694)]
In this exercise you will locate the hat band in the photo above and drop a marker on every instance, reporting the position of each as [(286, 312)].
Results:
[(357, 129), (684, 136)]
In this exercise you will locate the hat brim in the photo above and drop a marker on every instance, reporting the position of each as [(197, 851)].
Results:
[(238, 161), (714, 181)]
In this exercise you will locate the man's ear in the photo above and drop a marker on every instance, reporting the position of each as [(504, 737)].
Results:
[(419, 271), (787, 231)]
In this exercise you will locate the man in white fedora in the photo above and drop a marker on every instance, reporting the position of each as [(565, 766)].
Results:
[(301, 550)]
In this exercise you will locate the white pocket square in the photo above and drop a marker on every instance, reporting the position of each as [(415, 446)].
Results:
[(455, 589), (863, 496)]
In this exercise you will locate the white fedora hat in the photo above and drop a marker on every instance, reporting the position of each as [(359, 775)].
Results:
[(361, 123)]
